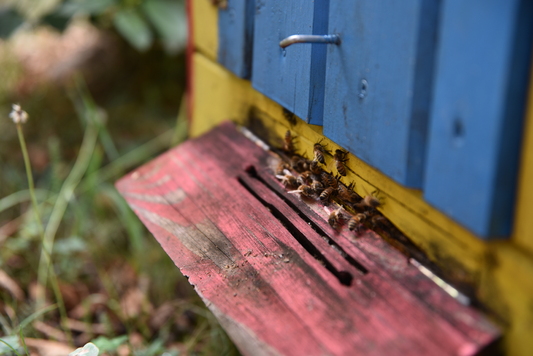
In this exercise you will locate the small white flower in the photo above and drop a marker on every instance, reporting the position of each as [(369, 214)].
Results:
[(18, 115)]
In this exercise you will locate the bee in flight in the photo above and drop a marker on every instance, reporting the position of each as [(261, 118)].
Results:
[(288, 145)]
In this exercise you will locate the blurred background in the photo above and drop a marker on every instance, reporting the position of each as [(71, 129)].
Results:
[(102, 82)]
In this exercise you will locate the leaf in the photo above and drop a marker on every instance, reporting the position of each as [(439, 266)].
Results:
[(134, 28), (10, 20), (90, 7), (70, 245), (168, 18), (8, 344), (88, 349), (56, 20), (109, 345)]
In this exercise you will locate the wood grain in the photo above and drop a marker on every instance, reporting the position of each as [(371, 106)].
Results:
[(244, 244)]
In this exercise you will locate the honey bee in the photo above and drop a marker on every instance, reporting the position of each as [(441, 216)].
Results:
[(280, 169), (329, 180), (288, 145), (304, 178), (378, 220), (319, 152), (222, 4), (371, 201), (340, 161), (288, 180), (315, 168), (335, 218), (346, 193), (317, 186), (356, 221), (327, 193), (299, 164), (304, 190)]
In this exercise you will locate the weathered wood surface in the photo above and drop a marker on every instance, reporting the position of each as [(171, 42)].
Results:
[(270, 267)]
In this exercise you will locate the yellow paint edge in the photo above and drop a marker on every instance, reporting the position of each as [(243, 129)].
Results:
[(523, 225)]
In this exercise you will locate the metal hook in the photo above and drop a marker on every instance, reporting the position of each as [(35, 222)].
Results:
[(335, 39)]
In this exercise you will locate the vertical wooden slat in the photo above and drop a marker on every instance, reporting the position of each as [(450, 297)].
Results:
[(477, 115), (235, 37), (378, 83), (293, 76)]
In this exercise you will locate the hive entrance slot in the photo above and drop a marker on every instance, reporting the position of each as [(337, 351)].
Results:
[(252, 172), (344, 277)]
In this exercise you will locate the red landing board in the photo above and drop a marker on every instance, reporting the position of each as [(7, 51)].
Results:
[(277, 276)]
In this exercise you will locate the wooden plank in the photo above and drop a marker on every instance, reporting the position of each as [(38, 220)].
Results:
[(235, 234), (477, 115), (378, 83), (294, 76), (235, 36)]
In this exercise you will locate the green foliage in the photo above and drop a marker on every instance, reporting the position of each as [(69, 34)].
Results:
[(9, 344), (138, 22), (133, 28), (88, 349), (110, 345), (10, 20)]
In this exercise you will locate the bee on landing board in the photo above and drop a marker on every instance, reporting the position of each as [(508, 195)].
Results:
[(335, 218), (317, 186), (340, 161), (315, 168), (280, 169), (378, 220), (299, 164), (304, 190), (356, 221), (327, 194), (346, 193), (304, 178), (288, 180), (329, 181)]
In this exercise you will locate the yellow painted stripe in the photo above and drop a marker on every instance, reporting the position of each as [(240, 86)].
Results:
[(205, 27)]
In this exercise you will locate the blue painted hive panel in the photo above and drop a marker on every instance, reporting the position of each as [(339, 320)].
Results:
[(235, 37), (289, 76), (378, 82), (478, 106)]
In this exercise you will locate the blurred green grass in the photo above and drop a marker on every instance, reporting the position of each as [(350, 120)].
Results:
[(113, 276)]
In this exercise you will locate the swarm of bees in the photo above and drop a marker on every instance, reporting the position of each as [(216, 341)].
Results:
[(309, 179)]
